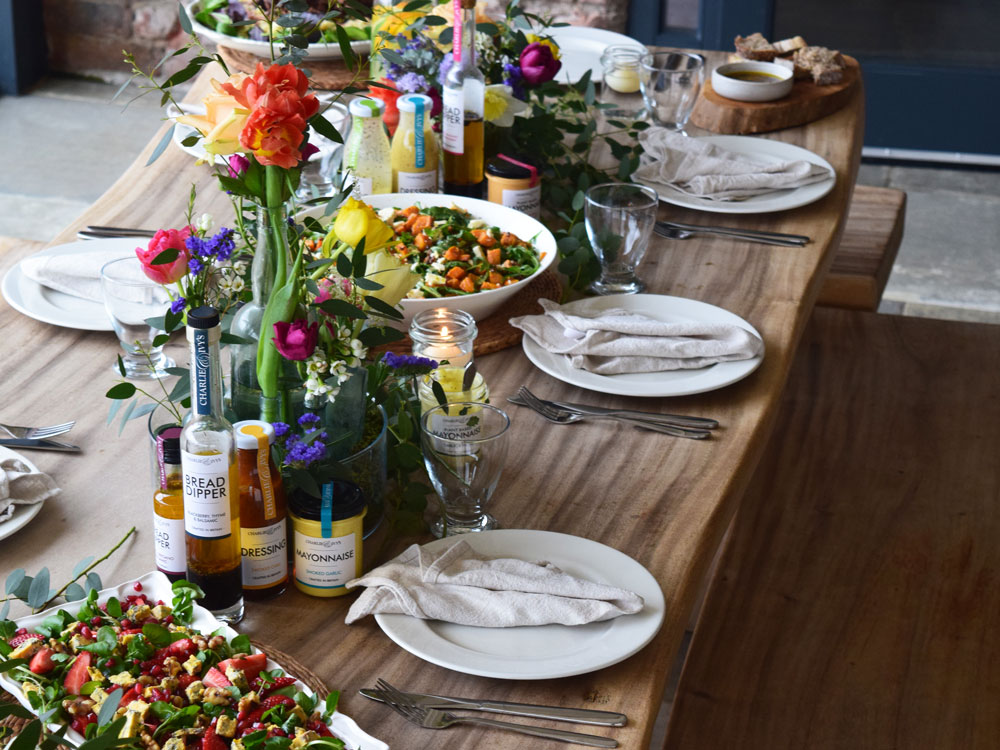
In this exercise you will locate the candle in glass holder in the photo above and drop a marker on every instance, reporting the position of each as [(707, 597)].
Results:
[(447, 336), (621, 71)]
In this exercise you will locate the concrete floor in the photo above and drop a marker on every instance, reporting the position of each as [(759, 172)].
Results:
[(66, 142)]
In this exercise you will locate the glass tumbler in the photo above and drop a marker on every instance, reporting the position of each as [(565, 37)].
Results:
[(130, 298), (318, 177), (465, 447), (670, 84), (621, 67), (619, 219)]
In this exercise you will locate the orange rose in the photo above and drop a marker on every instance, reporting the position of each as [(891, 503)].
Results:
[(279, 112)]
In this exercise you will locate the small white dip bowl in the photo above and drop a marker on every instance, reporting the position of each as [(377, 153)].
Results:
[(752, 91)]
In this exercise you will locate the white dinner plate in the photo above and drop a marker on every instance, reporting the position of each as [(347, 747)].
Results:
[(156, 586), (546, 651), (651, 384), (581, 47), (317, 50), (56, 308), (22, 513), (763, 150)]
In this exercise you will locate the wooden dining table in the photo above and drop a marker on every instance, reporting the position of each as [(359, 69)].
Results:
[(664, 501)]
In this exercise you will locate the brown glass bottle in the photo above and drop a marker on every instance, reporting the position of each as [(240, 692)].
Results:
[(263, 533), (168, 504)]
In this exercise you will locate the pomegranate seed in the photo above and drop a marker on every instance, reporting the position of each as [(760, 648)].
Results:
[(126, 624), (168, 619), (21, 631), (95, 620), (137, 586), (86, 632), (156, 671), (159, 602)]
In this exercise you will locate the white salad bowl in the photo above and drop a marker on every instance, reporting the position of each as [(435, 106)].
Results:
[(262, 49), (479, 304)]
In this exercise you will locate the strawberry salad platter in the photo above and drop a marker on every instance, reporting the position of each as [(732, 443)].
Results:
[(142, 665)]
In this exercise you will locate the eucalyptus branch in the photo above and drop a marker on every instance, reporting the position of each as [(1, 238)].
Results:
[(90, 567)]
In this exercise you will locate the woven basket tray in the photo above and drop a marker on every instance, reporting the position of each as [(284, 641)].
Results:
[(329, 75), (289, 663)]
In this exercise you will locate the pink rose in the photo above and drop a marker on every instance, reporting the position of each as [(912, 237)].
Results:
[(537, 64), (166, 239), (295, 340)]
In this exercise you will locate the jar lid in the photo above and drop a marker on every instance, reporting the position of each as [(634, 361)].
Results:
[(408, 102), (512, 168), (203, 317), (348, 501), (168, 443), (366, 107), (248, 430)]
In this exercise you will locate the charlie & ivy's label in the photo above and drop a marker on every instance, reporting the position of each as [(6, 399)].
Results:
[(417, 182), (168, 541), (206, 495), (453, 121), (325, 563), (527, 200), (265, 561)]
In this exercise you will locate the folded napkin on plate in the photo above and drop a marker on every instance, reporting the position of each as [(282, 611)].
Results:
[(615, 341), (20, 485), (461, 586), (702, 170), (78, 274)]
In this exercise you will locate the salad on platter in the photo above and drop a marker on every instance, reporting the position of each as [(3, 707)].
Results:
[(455, 254), (140, 669), (247, 19)]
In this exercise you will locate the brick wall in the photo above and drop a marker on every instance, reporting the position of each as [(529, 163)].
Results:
[(86, 37)]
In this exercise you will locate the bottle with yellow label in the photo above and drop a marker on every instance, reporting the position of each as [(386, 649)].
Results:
[(414, 147), (263, 536), (211, 481)]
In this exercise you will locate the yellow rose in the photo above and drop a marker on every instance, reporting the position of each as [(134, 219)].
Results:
[(223, 120), (391, 20), (357, 220), (395, 277), (550, 43)]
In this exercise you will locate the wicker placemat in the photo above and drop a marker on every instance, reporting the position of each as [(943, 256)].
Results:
[(329, 75), (289, 663), (495, 332)]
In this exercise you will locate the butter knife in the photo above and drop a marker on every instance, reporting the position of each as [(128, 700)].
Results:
[(38, 444), (557, 713), (677, 420)]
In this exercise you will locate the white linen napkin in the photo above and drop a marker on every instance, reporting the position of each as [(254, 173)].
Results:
[(78, 274), (703, 170), (616, 341), (20, 485), (461, 586)]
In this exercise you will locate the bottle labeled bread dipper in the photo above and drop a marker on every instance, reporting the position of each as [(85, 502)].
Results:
[(168, 504), (464, 104), (211, 483), (263, 537)]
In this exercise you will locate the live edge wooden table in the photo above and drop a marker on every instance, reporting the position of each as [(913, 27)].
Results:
[(664, 501)]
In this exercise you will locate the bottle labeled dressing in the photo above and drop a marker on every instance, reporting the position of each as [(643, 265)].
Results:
[(263, 537), (464, 101), (211, 482), (168, 504), (367, 152), (414, 147)]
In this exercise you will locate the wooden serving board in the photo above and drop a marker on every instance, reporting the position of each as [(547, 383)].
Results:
[(805, 103)]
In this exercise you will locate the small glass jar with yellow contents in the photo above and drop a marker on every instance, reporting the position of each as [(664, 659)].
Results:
[(447, 336), (621, 71)]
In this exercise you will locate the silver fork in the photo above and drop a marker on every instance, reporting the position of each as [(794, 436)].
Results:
[(432, 718), (563, 416), (37, 433)]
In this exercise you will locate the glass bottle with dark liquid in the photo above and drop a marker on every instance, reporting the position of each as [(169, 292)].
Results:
[(211, 482), (463, 107)]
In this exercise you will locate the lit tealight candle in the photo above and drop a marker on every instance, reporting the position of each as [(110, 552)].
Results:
[(623, 80)]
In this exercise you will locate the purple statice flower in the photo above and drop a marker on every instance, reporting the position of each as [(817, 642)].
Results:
[(446, 64), (280, 429), (177, 305), (393, 71), (411, 83), (407, 364), (306, 453), (309, 421), (195, 265), (222, 244), (513, 77)]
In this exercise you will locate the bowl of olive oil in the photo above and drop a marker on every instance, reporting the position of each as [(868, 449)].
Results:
[(752, 81)]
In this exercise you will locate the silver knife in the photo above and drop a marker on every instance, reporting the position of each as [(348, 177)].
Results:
[(37, 444), (679, 420), (748, 232), (668, 232), (557, 713)]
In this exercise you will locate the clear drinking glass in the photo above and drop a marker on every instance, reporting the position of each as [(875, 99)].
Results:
[(465, 446), (670, 85), (319, 174), (130, 297), (619, 220)]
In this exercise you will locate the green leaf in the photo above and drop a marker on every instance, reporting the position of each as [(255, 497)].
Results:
[(74, 592), (6, 666), (109, 707), (160, 339), (127, 415), (383, 307), (158, 635), (446, 36), (579, 198), (184, 19), (28, 738), (15, 709), (5, 610), (439, 394), (13, 581), (345, 47), (121, 366), (232, 338), (341, 308), (142, 411), (109, 738), (325, 128), (94, 584), (376, 336), (344, 266), (121, 391), (367, 284), (162, 145), (184, 74), (241, 645), (38, 593), (166, 256)]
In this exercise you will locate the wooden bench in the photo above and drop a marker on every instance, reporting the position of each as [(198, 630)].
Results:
[(868, 247), (857, 603)]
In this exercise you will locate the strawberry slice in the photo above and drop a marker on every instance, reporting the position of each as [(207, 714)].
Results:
[(19, 640), (251, 665), (215, 678), (182, 649), (41, 663), (212, 741), (77, 674)]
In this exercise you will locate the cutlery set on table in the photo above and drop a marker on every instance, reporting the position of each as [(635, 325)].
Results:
[(37, 438)]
